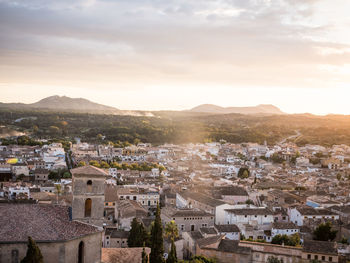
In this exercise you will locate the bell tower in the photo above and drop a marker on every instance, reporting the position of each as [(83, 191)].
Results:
[(88, 186)]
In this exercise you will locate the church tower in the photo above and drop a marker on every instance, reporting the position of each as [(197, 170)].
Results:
[(88, 187)]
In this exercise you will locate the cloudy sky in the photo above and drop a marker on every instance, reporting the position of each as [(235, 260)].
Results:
[(176, 54)]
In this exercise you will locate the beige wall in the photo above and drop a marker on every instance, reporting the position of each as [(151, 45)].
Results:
[(58, 252)]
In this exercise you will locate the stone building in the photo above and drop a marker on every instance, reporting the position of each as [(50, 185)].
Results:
[(60, 239), (88, 187)]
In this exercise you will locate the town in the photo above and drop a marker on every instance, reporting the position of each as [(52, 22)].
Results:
[(217, 201)]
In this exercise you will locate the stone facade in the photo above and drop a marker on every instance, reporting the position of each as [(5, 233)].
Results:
[(56, 252), (88, 195)]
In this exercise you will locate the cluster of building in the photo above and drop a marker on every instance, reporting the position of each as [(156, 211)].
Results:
[(229, 201)]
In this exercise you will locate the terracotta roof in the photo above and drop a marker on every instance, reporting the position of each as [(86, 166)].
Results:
[(227, 228), (250, 211), (208, 230), (111, 194), (232, 246), (208, 240), (115, 233), (232, 190), (202, 198), (88, 170), (41, 222), (182, 213), (123, 255), (284, 225), (196, 235), (322, 247)]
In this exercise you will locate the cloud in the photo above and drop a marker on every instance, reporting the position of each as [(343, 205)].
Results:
[(144, 42)]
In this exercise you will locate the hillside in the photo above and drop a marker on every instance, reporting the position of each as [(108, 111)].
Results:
[(259, 109), (63, 103)]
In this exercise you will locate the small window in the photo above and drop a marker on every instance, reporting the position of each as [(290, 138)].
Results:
[(316, 257), (323, 258), (89, 186), (308, 256), (330, 259)]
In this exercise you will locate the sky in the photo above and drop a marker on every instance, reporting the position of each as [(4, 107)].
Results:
[(177, 54)]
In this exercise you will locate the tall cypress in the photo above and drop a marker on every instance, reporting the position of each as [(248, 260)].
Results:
[(33, 253), (172, 258), (134, 239), (144, 255), (157, 248)]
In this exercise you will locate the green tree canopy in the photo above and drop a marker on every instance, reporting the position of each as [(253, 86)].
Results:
[(157, 249), (324, 232), (33, 253)]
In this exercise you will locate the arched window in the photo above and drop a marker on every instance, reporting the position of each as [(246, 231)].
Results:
[(14, 256), (81, 252), (89, 186), (88, 203)]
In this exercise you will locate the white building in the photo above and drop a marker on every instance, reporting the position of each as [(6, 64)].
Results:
[(284, 228), (297, 215), (248, 215)]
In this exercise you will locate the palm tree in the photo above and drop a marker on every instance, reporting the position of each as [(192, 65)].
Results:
[(58, 191), (170, 231)]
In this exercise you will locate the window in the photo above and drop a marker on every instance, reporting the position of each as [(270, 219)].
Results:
[(14, 256), (308, 256), (323, 258), (88, 204), (330, 259), (192, 227), (81, 252), (182, 227), (89, 186), (316, 257)]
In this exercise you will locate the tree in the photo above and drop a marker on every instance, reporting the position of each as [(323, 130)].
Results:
[(81, 163), (339, 176), (67, 175), (144, 255), (94, 163), (138, 235), (274, 260), (292, 240), (172, 258), (201, 259), (324, 232), (243, 172), (157, 249), (58, 188), (249, 202), (170, 230), (33, 253)]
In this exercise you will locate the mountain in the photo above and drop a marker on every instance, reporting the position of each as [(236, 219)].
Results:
[(63, 103), (67, 103), (259, 109)]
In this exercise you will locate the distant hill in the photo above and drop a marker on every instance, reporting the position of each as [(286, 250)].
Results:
[(63, 103), (260, 109)]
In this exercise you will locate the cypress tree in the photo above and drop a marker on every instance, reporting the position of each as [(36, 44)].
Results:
[(134, 239), (157, 249), (172, 258), (144, 255), (33, 253)]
